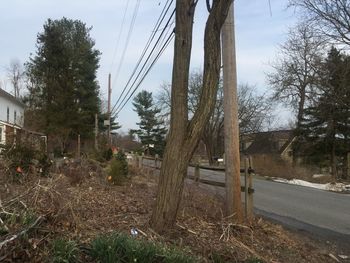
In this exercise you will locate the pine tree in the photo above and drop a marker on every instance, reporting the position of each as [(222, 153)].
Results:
[(62, 75), (151, 129), (325, 129)]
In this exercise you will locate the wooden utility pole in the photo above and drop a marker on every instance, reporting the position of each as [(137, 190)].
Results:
[(232, 158), (109, 109)]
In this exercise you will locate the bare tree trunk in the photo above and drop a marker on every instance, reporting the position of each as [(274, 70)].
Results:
[(184, 135), (301, 106), (209, 148), (333, 160)]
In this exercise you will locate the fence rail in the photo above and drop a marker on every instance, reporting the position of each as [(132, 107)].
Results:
[(247, 171)]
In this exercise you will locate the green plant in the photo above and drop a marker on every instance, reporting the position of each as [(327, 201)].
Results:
[(108, 154), (116, 173), (120, 156), (28, 218), (64, 251), (122, 248)]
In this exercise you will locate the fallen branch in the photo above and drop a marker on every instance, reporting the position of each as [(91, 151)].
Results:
[(187, 229), (37, 221)]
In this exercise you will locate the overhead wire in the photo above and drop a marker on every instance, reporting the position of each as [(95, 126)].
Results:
[(131, 27), (168, 41), (151, 53), (119, 35), (162, 16)]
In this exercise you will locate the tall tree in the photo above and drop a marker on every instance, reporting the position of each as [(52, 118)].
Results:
[(294, 75), (331, 18), (325, 130), (63, 87), (184, 134), (152, 131)]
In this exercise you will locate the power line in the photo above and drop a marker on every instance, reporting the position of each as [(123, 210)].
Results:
[(119, 35), (131, 27), (157, 44), (165, 10), (169, 39)]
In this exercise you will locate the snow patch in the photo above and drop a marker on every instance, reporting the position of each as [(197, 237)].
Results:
[(334, 187)]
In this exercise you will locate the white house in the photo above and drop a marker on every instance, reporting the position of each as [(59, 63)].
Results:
[(11, 115)]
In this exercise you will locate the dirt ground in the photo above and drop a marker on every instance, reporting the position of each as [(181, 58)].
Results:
[(82, 207)]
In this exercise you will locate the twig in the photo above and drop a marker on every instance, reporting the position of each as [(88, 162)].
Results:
[(37, 221), (185, 228), (143, 233)]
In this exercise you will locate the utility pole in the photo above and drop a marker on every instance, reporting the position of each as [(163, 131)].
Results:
[(231, 128), (109, 109)]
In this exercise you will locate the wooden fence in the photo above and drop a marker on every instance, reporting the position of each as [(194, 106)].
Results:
[(247, 172)]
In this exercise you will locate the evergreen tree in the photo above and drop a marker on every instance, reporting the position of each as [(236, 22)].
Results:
[(151, 131), (325, 129), (62, 80)]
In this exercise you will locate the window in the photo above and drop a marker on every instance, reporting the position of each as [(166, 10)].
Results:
[(8, 114), (14, 117)]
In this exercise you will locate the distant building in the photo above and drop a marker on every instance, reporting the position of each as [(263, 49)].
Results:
[(277, 144), (11, 116)]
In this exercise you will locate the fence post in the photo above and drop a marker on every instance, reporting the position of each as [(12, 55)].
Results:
[(140, 161), (156, 160), (196, 173), (250, 187)]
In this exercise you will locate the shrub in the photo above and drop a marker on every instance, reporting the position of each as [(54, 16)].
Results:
[(116, 173), (64, 251), (20, 155), (108, 154), (44, 164), (121, 248), (122, 158)]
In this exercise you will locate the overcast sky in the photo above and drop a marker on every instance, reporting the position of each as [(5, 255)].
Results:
[(259, 30)]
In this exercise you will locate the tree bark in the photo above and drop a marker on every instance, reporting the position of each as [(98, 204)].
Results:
[(184, 135), (301, 106)]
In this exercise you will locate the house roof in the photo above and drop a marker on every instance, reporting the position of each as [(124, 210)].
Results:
[(8, 96), (268, 142)]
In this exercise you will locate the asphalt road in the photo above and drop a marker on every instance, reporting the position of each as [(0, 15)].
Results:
[(321, 213)]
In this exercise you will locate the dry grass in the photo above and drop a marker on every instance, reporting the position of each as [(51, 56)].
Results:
[(82, 211), (274, 167)]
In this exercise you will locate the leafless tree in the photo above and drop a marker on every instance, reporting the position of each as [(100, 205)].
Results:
[(254, 112), (184, 134), (15, 75), (331, 18), (294, 75)]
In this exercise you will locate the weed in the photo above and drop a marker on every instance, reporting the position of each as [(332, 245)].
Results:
[(64, 251), (28, 218), (121, 248)]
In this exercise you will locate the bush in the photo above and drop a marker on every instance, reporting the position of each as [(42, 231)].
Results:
[(108, 154), (44, 164), (122, 158), (121, 248), (64, 251), (117, 173), (20, 155)]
